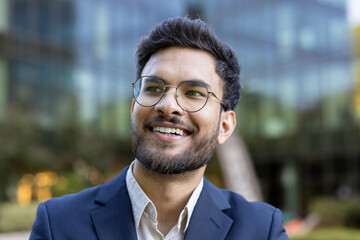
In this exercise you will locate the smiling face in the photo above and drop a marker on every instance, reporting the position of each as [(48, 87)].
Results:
[(165, 138)]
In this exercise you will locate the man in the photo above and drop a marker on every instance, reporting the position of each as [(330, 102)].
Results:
[(186, 90)]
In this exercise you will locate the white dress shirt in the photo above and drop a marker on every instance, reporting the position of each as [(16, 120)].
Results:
[(145, 214)]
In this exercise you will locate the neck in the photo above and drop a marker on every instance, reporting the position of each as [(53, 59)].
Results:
[(169, 193)]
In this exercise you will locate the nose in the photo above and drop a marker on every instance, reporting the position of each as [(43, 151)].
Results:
[(168, 106)]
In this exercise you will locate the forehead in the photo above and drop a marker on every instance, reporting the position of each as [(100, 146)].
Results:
[(175, 64)]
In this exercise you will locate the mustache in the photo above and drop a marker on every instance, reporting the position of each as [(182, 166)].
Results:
[(173, 120)]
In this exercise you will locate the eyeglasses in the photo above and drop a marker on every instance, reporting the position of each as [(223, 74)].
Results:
[(191, 96)]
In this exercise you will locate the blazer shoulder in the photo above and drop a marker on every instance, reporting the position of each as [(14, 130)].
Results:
[(234, 202), (71, 216), (261, 219), (250, 220), (239, 205), (63, 216), (91, 197), (83, 199)]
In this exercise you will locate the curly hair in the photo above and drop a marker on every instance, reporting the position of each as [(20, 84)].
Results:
[(195, 34)]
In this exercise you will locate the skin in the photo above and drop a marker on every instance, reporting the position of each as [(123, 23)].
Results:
[(170, 193)]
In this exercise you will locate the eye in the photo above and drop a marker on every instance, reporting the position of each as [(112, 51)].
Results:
[(194, 93), (153, 89)]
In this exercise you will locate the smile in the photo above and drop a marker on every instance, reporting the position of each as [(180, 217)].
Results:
[(169, 131)]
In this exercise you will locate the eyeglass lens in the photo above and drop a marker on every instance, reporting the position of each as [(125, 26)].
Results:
[(190, 95)]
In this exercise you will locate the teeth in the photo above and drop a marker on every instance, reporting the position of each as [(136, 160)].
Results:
[(169, 131)]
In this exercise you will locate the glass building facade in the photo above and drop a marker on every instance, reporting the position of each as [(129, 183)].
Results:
[(64, 60)]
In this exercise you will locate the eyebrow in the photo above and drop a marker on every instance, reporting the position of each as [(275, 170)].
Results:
[(199, 81), (190, 80), (153, 78)]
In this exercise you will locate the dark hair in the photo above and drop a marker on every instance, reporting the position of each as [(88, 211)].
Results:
[(196, 34)]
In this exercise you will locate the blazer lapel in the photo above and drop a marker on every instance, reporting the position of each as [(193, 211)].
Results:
[(114, 218), (207, 220)]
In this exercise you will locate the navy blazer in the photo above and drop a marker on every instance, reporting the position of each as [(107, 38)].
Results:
[(105, 212)]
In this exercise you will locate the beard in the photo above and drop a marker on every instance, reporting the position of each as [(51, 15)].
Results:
[(197, 155)]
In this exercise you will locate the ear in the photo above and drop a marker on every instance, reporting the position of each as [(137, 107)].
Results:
[(132, 106), (227, 126)]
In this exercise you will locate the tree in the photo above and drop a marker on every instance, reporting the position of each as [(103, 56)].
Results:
[(238, 170)]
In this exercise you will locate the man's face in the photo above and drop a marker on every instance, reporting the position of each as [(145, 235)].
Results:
[(193, 144)]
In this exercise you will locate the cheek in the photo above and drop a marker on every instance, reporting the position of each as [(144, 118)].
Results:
[(137, 114), (211, 111), (140, 114), (206, 120)]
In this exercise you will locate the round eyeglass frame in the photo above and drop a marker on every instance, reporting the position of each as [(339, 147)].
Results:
[(176, 95)]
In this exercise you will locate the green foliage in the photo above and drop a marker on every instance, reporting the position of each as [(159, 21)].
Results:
[(334, 212), (70, 182), (14, 217), (357, 41), (19, 148), (337, 233), (26, 146)]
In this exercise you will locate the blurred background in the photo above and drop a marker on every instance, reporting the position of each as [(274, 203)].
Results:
[(65, 93)]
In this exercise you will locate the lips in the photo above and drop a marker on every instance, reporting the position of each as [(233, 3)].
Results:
[(170, 131), (169, 127)]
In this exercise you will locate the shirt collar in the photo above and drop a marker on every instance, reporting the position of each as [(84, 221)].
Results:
[(140, 201), (138, 198), (192, 202)]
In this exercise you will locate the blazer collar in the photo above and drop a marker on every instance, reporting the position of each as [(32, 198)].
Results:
[(208, 220), (114, 218)]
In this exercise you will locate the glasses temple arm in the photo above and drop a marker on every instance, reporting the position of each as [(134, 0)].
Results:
[(222, 103)]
